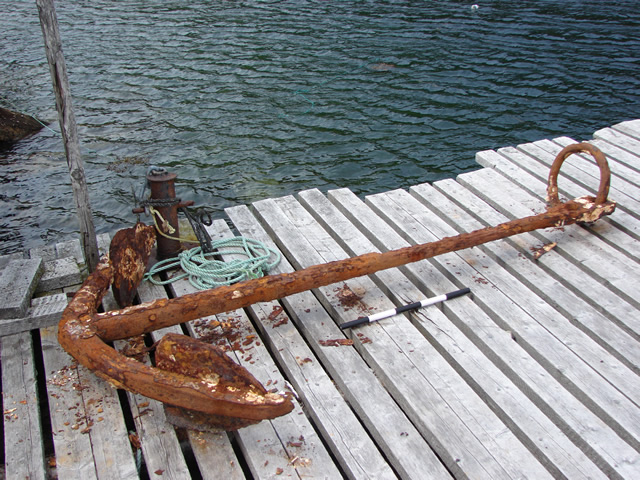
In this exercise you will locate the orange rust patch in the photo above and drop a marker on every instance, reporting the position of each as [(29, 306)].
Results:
[(336, 342)]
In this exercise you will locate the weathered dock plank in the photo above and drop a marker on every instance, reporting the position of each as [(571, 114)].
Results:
[(630, 127), (262, 450), (18, 281), (598, 259), (622, 175), (535, 374), (506, 332), (213, 451), (23, 440), (584, 173), (89, 433), (460, 427), (107, 431), (521, 264), (603, 263), (215, 455), (294, 446), (532, 427), (43, 312), (616, 375), (349, 441), (466, 212), (625, 135), (625, 237), (621, 220), (46, 253), (59, 273), (156, 438), (582, 169), (5, 259), (71, 249)]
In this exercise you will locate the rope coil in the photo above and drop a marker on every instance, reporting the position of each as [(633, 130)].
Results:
[(205, 272)]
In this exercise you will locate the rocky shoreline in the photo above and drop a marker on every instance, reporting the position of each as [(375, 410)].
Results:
[(15, 126)]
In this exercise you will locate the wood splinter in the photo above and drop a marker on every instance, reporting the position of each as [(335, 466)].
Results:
[(538, 252), (197, 378)]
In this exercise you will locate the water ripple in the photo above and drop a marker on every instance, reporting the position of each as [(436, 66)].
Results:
[(247, 100)]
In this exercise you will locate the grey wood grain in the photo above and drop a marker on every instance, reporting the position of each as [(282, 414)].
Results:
[(23, 441), (425, 386)]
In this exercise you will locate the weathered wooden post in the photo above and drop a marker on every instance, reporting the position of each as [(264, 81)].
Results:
[(68, 128)]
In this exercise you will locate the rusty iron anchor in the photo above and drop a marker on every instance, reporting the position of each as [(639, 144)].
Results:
[(193, 376), (188, 374)]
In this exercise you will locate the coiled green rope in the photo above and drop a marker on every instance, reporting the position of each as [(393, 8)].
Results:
[(205, 272)]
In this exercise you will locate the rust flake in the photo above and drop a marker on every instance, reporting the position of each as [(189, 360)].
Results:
[(349, 299), (336, 342)]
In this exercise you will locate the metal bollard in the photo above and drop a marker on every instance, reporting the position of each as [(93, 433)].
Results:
[(164, 202)]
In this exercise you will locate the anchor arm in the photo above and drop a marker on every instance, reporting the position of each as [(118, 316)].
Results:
[(78, 336)]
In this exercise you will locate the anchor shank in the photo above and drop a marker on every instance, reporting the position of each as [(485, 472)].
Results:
[(152, 316)]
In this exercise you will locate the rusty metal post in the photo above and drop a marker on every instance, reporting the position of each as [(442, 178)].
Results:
[(164, 201)]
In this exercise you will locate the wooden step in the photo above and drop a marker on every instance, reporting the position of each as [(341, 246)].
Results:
[(18, 281)]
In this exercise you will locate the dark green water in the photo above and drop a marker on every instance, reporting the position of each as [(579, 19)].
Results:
[(246, 100)]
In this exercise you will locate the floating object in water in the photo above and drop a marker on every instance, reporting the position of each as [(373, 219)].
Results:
[(475, 6), (382, 67)]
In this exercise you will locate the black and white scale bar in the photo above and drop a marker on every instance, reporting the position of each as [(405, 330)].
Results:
[(405, 308)]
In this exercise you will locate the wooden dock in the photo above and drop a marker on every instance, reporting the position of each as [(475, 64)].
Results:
[(534, 375)]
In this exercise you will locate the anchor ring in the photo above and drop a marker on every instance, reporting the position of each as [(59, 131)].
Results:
[(584, 147)]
